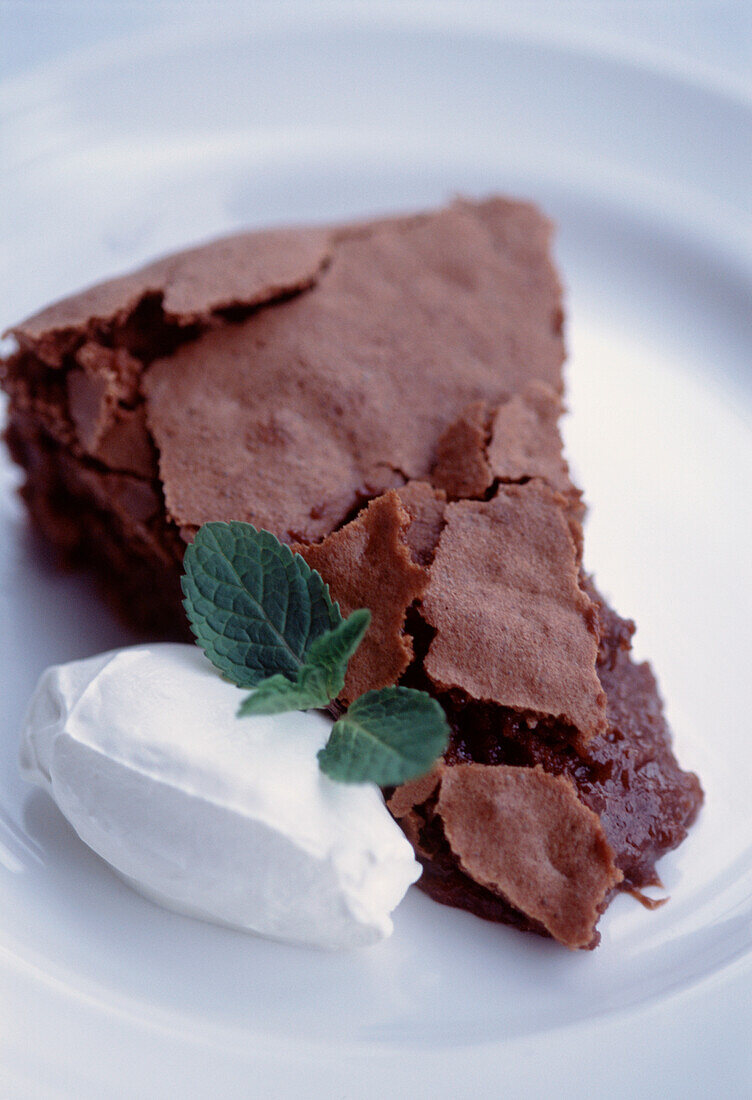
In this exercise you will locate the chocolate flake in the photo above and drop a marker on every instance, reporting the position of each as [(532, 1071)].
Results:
[(368, 563), (414, 792), (247, 269), (425, 506), (462, 469), (513, 624), (525, 835), (524, 438)]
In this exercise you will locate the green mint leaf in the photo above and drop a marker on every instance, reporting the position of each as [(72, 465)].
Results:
[(320, 679), (386, 736), (277, 695), (332, 651), (254, 606)]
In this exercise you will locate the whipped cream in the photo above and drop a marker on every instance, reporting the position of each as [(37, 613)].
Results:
[(226, 819)]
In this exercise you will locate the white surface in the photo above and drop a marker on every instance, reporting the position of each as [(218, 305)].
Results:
[(158, 143), (232, 821)]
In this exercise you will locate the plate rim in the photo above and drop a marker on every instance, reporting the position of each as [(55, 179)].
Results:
[(739, 93)]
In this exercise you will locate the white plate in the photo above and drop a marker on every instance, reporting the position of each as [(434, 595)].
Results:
[(303, 114)]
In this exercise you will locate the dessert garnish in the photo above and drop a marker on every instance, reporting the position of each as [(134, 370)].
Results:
[(228, 821), (266, 620), (142, 751)]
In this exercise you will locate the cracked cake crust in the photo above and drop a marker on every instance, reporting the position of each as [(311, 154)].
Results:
[(385, 396)]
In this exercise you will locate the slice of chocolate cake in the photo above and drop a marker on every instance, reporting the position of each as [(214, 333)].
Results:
[(385, 396)]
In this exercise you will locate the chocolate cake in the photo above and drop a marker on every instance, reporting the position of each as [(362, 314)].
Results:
[(384, 396)]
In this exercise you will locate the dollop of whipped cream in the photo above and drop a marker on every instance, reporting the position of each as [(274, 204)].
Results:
[(226, 819)]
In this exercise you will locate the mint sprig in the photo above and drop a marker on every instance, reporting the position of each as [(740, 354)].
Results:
[(266, 620)]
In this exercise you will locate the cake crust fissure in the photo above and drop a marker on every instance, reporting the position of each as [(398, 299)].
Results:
[(507, 569), (384, 396)]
